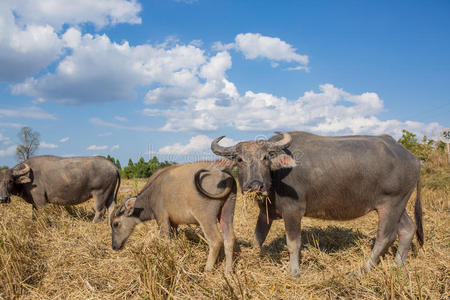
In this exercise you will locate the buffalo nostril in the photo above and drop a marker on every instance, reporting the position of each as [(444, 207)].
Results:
[(5, 199)]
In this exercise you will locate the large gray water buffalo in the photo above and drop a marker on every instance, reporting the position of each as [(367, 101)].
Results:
[(193, 193), (335, 178), (65, 181)]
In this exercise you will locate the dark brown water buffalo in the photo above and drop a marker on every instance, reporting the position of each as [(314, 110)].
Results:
[(193, 193), (335, 178), (65, 181)]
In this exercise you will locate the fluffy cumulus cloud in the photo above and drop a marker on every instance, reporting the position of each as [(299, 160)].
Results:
[(99, 70), (64, 139), (331, 110), (198, 144), (185, 85), (115, 147), (30, 36), (255, 45)]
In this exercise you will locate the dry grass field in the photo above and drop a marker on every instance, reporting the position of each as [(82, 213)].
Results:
[(62, 255)]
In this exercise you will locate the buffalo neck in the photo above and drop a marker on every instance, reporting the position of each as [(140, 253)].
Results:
[(144, 207)]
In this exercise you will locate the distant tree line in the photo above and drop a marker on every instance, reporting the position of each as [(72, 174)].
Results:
[(140, 169)]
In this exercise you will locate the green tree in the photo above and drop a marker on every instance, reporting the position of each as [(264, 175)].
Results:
[(142, 169), (116, 162), (421, 149), (29, 143), (128, 171)]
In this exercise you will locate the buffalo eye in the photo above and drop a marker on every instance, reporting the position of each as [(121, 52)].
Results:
[(115, 224), (239, 159), (272, 154)]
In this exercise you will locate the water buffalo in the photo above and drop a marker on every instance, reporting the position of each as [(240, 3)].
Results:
[(335, 178), (193, 193), (65, 181)]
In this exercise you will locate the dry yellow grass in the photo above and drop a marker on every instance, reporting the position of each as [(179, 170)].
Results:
[(62, 255)]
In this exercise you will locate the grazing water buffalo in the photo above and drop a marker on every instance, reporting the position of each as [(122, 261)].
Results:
[(65, 181), (193, 193), (335, 178)]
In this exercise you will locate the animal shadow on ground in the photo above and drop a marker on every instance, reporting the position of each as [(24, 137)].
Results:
[(333, 239), (196, 236)]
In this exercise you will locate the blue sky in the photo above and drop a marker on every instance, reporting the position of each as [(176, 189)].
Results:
[(135, 78)]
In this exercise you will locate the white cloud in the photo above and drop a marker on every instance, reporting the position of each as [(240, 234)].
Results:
[(255, 45), (32, 112), (29, 38), (329, 111), (95, 147), (8, 151), (63, 140), (99, 70), (58, 12), (49, 146), (115, 147), (120, 119), (197, 145)]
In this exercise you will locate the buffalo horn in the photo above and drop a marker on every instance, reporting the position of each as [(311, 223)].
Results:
[(222, 151), (281, 144), (19, 172)]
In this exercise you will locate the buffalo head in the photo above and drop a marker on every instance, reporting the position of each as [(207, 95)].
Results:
[(10, 179), (256, 159), (122, 222)]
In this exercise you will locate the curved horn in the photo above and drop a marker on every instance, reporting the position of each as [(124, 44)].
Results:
[(222, 195), (26, 169), (222, 151), (281, 144)]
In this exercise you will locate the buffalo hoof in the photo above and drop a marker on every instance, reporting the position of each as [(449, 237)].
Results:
[(294, 272), (228, 271)]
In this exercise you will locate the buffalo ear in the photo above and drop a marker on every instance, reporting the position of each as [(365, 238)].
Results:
[(282, 161), (129, 206), (224, 164)]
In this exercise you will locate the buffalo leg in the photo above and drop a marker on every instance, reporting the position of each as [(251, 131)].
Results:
[(405, 233), (164, 225), (388, 219), (262, 228), (226, 223), (110, 205), (100, 207), (214, 239), (294, 241), (37, 202)]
